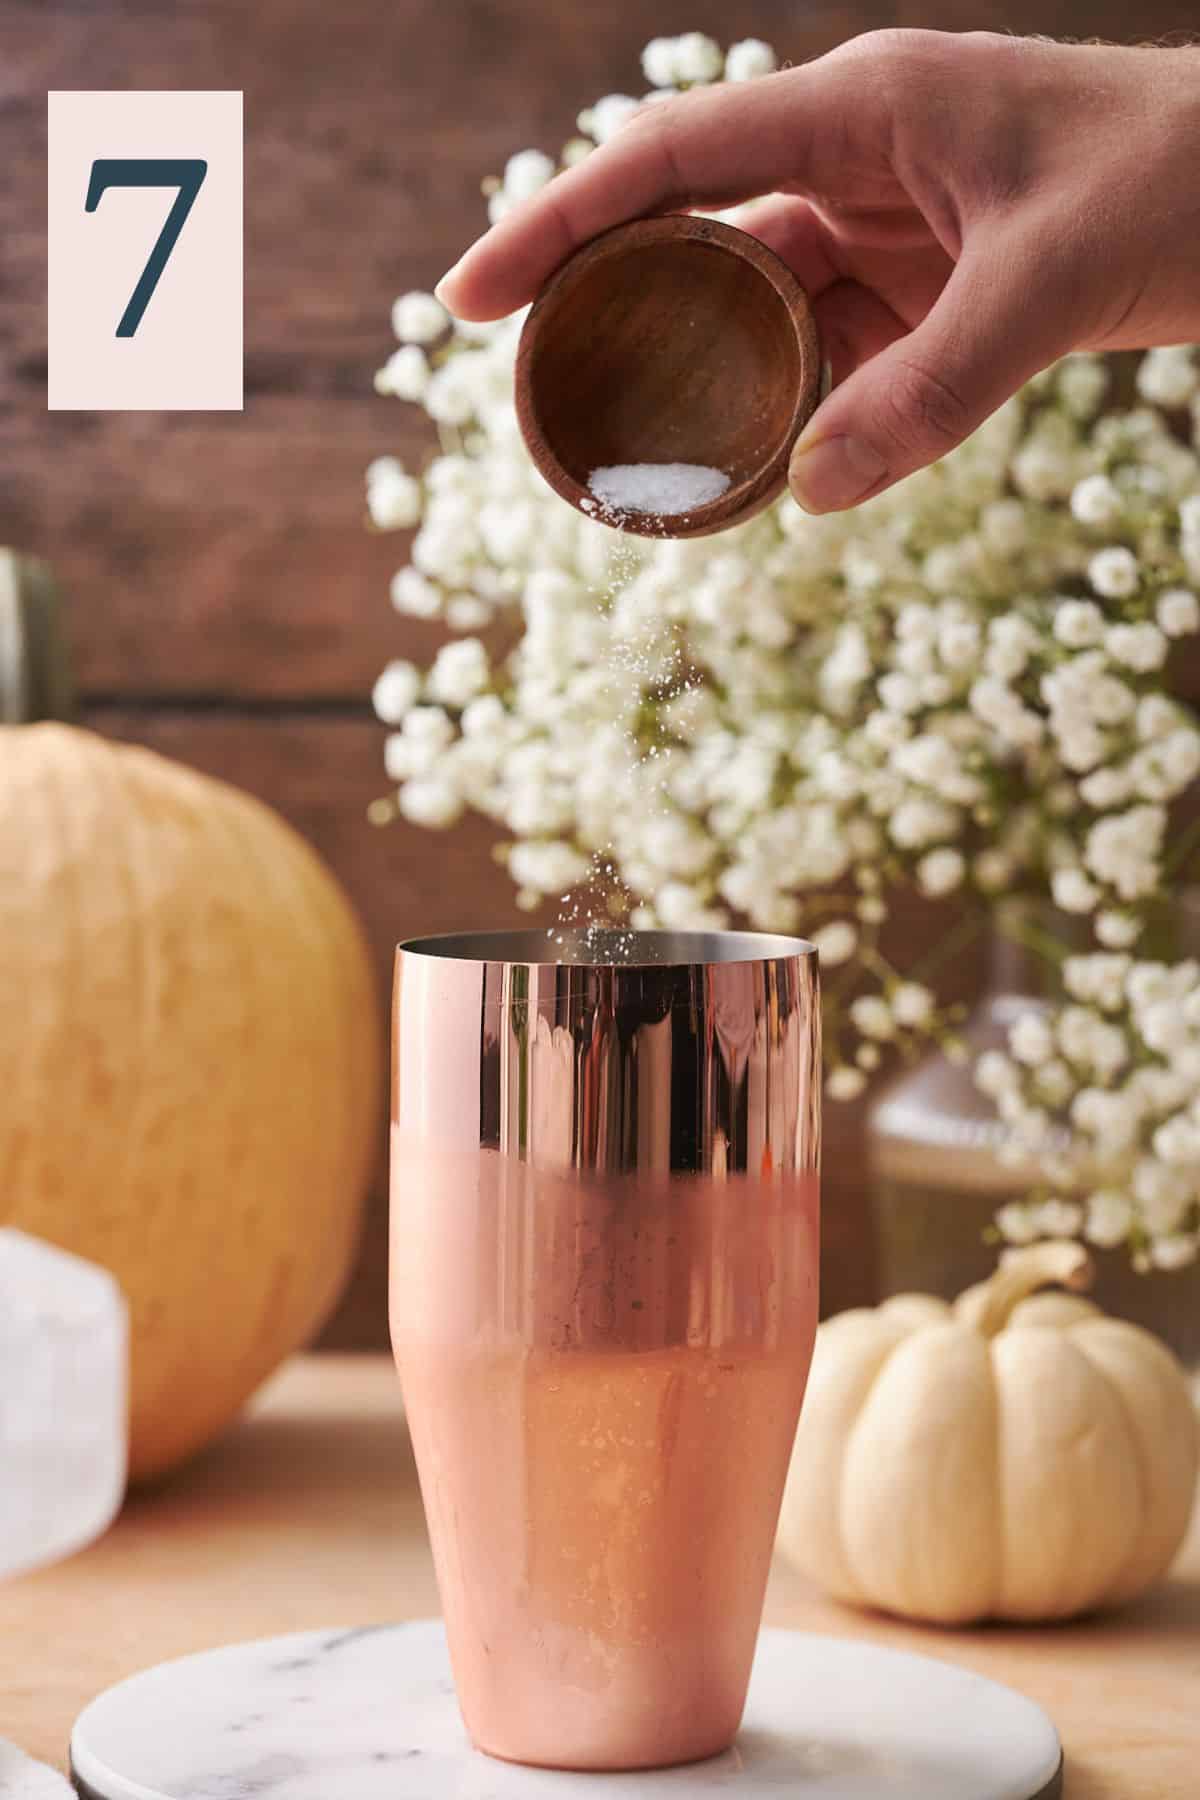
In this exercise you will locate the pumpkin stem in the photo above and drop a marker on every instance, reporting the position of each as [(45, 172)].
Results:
[(34, 668), (1059, 1262)]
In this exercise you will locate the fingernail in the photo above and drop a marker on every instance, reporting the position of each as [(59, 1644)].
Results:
[(833, 473), (439, 287)]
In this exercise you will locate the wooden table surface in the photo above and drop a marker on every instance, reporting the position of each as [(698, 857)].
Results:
[(308, 1514)]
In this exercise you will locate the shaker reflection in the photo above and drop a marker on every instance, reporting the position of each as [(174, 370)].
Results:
[(604, 1295)]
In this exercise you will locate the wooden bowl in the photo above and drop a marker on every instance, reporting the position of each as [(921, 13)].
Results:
[(670, 340)]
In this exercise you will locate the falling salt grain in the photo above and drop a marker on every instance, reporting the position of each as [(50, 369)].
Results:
[(661, 488)]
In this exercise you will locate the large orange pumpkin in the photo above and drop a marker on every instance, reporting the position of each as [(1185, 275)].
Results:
[(188, 1064)]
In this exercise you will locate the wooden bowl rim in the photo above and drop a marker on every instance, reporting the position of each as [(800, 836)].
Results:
[(740, 501)]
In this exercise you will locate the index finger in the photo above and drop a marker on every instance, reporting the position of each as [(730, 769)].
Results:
[(712, 147)]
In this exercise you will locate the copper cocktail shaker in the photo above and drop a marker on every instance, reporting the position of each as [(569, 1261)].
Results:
[(603, 1301)]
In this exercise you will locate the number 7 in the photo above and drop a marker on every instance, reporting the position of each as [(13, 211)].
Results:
[(187, 174)]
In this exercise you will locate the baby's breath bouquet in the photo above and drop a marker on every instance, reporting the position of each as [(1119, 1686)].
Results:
[(961, 685)]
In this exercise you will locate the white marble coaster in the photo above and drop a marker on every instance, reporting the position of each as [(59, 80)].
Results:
[(370, 1714)]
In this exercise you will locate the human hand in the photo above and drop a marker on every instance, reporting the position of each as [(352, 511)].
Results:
[(961, 209)]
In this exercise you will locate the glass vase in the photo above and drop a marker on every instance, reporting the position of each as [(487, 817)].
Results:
[(937, 1175)]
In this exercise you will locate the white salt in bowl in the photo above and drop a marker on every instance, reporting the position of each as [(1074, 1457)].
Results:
[(664, 374)]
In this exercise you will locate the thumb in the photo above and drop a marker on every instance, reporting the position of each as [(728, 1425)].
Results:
[(993, 327)]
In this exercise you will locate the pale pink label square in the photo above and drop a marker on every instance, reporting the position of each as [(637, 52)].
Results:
[(184, 354)]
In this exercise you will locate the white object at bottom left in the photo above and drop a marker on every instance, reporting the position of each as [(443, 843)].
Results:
[(23, 1779), (64, 1351)]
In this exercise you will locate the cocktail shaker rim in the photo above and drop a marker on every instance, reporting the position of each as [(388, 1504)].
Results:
[(615, 948)]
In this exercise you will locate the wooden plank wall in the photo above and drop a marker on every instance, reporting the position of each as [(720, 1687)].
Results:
[(227, 605)]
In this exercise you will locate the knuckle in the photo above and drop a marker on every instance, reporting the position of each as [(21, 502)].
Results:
[(923, 411), (656, 128), (893, 48)]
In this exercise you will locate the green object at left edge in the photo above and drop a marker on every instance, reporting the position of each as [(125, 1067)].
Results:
[(35, 681)]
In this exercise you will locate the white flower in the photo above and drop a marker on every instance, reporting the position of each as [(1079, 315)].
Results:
[(429, 727), (1117, 930), (1109, 1218), (1082, 383), (1106, 787), (1095, 501), (912, 1004), (940, 872), (546, 868), (1088, 1040), (1097, 979), (681, 907), (1178, 612), (1156, 716), (993, 870), (748, 59), (405, 374), (660, 62), (1148, 983), (1011, 642), (999, 706), (872, 1015), (397, 756), (916, 623), (1073, 891), (1175, 1252), (1110, 700), (393, 496), (1030, 1039), (397, 689), (920, 821), (484, 717), (1043, 472), (836, 943), (1163, 1194), (1112, 1119), (419, 318), (1123, 850), (1166, 768), (1114, 573), (453, 394), (1055, 1084), (413, 594), (1078, 624), (1005, 528), (467, 612), (526, 173), (697, 58), (1015, 1223), (899, 692), (460, 672), (958, 642), (1178, 1141), (996, 1075), (1057, 1218), (1168, 376), (606, 118), (430, 801), (1142, 647), (845, 1083), (886, 730)]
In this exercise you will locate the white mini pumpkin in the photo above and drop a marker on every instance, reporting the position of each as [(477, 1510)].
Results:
[(1014, 1456)]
